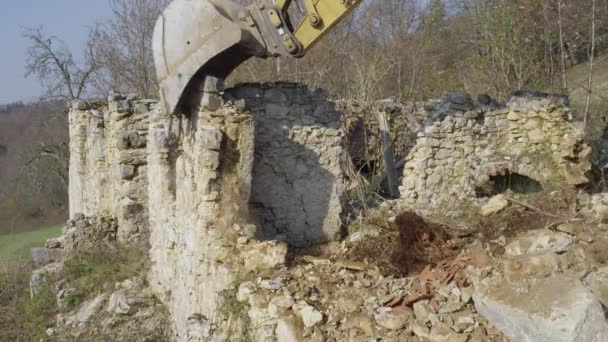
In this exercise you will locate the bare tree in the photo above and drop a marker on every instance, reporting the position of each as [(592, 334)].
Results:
[(49, 59), (561, 44), (124, 48), (591, 55)]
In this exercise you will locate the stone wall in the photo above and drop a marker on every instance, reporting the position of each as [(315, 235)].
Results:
[(108, 162), (297, 181), (265, 167), (457, 154), (215, 191)]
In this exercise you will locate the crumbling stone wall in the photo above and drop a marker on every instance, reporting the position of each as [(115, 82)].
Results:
[(460, 151), (108, 162), (265, 167), (297, 181)]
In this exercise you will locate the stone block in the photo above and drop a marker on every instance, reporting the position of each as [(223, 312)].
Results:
[(536, 136), (551, 309), (494, 205), (210, 159), (127, 172), (211, 138), (538, 241), (597, 283), (43, 256)]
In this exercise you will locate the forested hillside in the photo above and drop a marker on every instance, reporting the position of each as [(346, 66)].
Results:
[(33, 176)]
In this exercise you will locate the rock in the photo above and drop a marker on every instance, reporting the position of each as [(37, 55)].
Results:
[(597, 283), (452, 305), (479, 256), (63, 296), (550, 309), (459, 98), (394, 319), (575, 176), (539, 241), (350, 305), (422, 310), (317, 335), (531, 265), (211, 101), (127, 172), (87, 310), (494, 205), (441, 332), (288, 329), (132, 96), (44, 256), (599, 207), (484, 99), (141, 108), (245, 291), (271, 284), (309, 315), (578, 261), (279, 305), (536, 136), (213, 85), (40, 276), (198, 328), (463, 322), (121, 303), (211, 138), (467, 294), (54, 243), (362, 323), (585, 237), (421, 330), (532, 124), (264, 255), (363, 233), (572, 228), (513, 116), (80, 105)]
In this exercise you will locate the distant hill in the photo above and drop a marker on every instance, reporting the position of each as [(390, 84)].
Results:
[(35, 196)]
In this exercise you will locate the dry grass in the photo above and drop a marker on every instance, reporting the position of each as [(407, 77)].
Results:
[(406, 246), (22, 318)]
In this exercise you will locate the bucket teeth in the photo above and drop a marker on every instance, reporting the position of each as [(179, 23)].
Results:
[(194, 40)]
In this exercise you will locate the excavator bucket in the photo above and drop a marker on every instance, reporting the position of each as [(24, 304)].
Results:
[(194, 39)]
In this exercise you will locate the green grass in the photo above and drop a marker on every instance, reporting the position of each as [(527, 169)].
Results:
[(90, 271), (16, 246)]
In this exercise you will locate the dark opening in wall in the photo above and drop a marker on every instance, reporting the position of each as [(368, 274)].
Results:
[(508, 180)]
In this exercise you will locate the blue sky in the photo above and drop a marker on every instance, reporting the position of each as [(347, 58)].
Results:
[(66, 19)]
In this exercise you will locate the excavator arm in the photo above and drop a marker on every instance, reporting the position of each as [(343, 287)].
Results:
[(199, 40)]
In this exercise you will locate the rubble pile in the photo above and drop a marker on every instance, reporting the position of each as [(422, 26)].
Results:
[(549, 285), (329, 299), (124, 311)]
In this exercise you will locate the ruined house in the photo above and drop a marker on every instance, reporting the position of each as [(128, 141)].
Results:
[(223, 193)]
